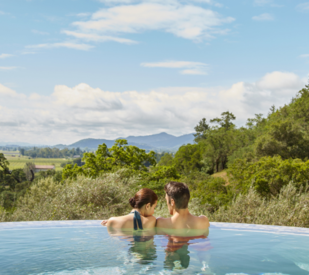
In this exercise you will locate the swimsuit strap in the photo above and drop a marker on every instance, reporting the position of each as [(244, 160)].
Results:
[(137, 220)]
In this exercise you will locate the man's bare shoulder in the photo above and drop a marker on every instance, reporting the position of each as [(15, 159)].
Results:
[(203, 221)]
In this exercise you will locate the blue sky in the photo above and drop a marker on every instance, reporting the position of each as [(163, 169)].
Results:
[(74, 69)]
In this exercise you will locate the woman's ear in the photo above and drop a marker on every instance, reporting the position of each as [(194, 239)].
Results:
[(148, 206)]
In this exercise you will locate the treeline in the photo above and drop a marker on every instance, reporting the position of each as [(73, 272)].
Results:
[(36, 152), (9, 148), (266, 162)]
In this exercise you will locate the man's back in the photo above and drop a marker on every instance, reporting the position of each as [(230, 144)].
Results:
[(177, 197), (187, 221)]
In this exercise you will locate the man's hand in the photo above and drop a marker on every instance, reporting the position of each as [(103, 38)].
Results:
[(104, 222)]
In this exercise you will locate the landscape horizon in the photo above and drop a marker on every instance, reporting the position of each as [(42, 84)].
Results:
[(158, 141)]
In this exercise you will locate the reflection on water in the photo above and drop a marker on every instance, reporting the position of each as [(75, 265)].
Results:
[(177, 254), (175, 244)]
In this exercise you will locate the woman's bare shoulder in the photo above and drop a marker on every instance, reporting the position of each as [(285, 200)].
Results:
[(116, 220), (149, 221)]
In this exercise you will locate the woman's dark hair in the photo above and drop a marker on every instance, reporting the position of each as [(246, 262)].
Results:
[(143, 197)]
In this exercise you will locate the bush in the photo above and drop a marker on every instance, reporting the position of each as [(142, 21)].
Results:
[(290, 208), (268, 175), (83, 198)]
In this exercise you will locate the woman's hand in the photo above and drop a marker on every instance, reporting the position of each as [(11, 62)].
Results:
[(104, 222)]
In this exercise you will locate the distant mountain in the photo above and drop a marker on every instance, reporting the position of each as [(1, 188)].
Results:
[(162, 141), (20, 144)]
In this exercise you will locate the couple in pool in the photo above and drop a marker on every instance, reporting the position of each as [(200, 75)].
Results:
[(144, 202)]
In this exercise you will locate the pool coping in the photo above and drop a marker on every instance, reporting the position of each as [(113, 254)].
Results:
[(96, 223)]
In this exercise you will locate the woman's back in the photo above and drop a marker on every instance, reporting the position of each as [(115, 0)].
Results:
[(143, 203)]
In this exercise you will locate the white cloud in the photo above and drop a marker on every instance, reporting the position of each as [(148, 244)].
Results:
[(70, 45), (303, 7), (98, 38), (185, 21), (282, 81), (193, 68), (263, 17), (39, 32), (73, 113), (5, 91), (5, 55), (304, 56), (8, 68)]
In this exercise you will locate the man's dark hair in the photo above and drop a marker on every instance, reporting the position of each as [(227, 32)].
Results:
[(179, 192)]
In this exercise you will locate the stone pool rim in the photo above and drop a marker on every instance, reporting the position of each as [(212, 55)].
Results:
[(96, 223)]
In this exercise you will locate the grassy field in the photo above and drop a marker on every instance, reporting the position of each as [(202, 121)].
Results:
[(19, 162), (10, 152)]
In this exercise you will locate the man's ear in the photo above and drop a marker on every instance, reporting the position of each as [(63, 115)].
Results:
[(172, 202)]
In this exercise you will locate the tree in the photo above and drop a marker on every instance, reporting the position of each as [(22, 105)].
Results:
[(188, 158), (120, 155), (4, 164), (22, 151), (166, 160), (200, 130), (29, 170), (225, 121), (285, 138), (268, 175)]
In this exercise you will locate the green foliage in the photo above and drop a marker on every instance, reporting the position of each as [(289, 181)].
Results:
[(225, 121), (212, 192), (83, 198), (158, 177), (188, 158), (166, 160), (289, 208), (200, 130), (119, 156), (77, 161), (50, 152), (4, 164), (284, 138), (268, 175)]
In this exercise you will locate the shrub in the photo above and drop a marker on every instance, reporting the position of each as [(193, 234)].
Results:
[(268, 175), (290, 208), (83, 198)]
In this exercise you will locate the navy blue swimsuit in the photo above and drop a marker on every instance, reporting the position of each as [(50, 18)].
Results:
[(137, 221)]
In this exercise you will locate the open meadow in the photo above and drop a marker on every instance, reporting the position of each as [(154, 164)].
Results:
[(17, 161)]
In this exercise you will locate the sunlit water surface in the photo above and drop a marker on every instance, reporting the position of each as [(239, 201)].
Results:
[(85, 247)]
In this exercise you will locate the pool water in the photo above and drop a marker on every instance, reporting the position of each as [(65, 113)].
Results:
[(85, 247)]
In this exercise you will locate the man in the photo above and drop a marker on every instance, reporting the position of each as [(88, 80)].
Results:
[(177, 198)]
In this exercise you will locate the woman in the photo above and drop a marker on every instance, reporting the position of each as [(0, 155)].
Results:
[(143, 203)]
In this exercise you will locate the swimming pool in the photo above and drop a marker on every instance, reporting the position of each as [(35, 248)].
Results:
[(85, 247)]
